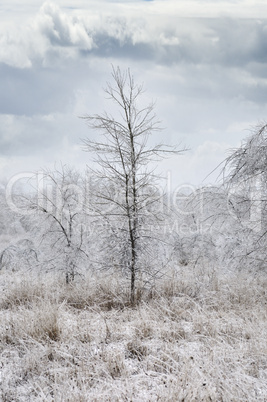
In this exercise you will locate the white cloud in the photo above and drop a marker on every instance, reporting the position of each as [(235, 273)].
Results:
[(61, 29), (156, 30), (160, 25), (12, 51), (51, 29)]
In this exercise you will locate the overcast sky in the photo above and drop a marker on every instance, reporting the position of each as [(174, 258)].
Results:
[(203, 62)]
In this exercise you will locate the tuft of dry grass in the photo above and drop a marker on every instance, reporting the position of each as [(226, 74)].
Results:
[(201, 337)]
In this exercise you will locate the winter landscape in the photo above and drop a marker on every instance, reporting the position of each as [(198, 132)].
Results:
[(113, 290), (133, 263)]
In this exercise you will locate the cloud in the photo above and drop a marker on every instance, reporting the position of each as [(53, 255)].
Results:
[(62, 30), (51, 55), (12, 51), (220, 41), (35, 91), (135, 32), (209, 75), (28, 144), (51, 31), (21, 134)]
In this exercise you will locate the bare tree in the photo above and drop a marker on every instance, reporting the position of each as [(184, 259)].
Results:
[(126, 192)]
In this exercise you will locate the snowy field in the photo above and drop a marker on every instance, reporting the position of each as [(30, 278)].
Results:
[(195, 336)]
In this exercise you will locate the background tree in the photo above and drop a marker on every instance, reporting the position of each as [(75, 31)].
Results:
[(126, 192), (245, 178), (58, 201), (17, 246)]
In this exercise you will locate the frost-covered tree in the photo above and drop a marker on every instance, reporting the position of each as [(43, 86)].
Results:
[(245, 177), (192, 232), (17, 248), (58, 201), (126, 184)]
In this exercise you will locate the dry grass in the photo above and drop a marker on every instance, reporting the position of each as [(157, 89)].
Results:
[(201, 337)]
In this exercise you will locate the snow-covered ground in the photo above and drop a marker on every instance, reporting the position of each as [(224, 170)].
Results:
[(196, 336)]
